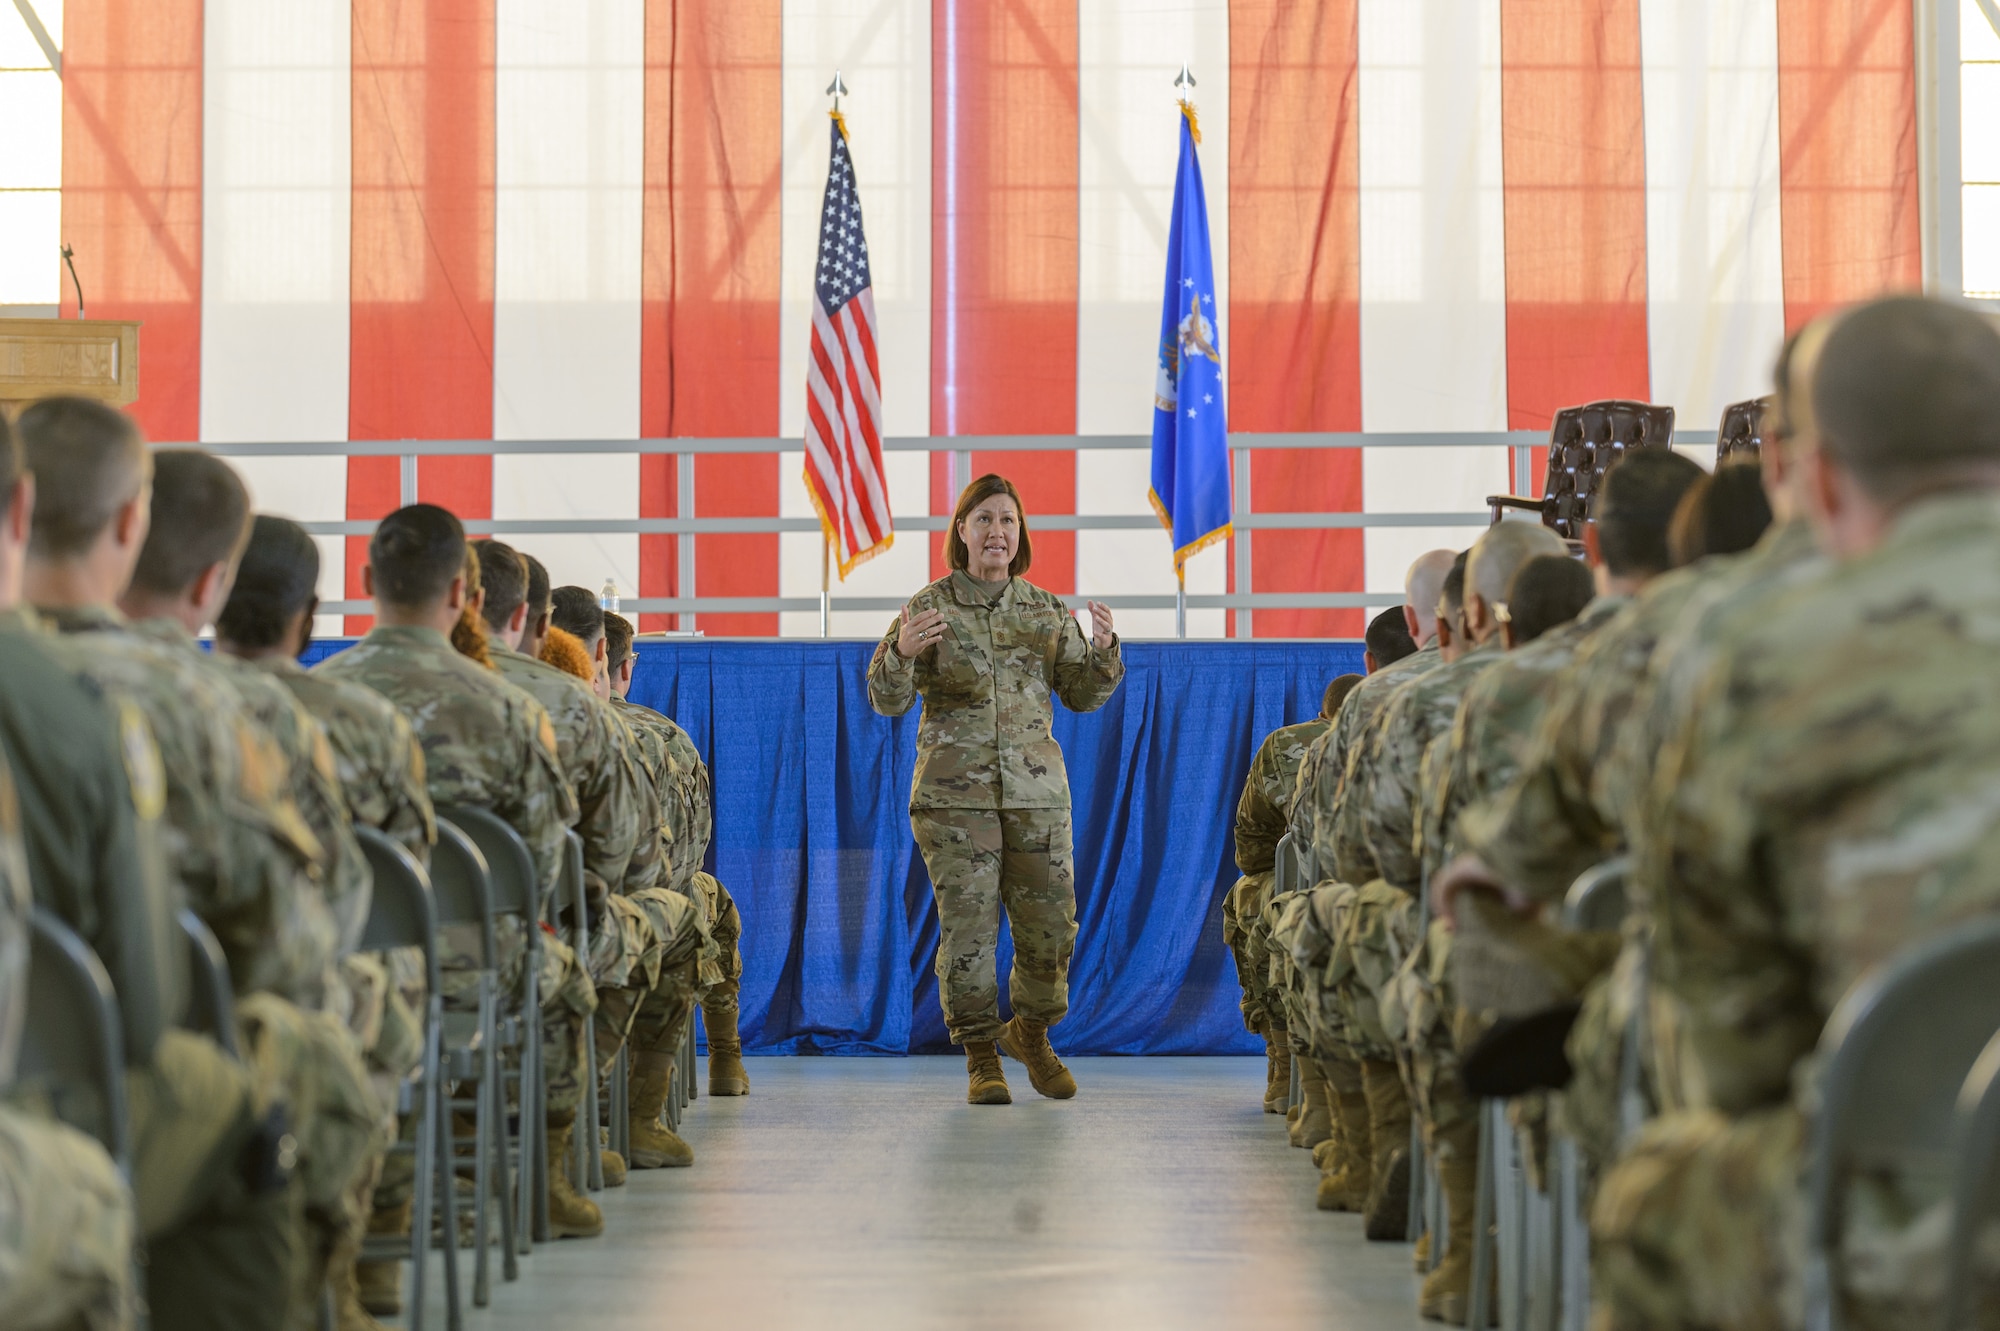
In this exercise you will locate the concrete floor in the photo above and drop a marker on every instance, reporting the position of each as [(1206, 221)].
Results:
[(864, 1193)]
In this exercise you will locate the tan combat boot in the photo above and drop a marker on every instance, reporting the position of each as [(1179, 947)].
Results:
[(1027, 1043), (1386, 1218), (613, 1165), (726, 1073), (1315, 1123), (1347, 1170), (1277, 1070), (343, 1289), (1420, 1253), (1446, 1294), (571, 1214), (379, 1285), (654, 1144), (986, 1084)]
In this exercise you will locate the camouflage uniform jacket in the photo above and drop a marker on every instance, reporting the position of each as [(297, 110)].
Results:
[(1828, 793), (1268, 793), (243, 854), (1571, 804), (315, 780), (91, 792), (985, 741), (1324, 773), (670, 759), (376, 754), (486, 743), (1378, 812), (617, 808), (1496, 724)]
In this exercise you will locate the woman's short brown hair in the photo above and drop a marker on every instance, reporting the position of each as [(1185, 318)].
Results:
[(971, 497)]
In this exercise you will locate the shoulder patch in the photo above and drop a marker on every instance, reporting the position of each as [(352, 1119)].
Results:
[(142, 763)]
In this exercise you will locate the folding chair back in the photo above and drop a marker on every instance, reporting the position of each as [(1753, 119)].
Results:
[(510, 868), (71, 1043), (211, 1000), (508, 884), (460, 886), (1976, 1183), (1285, 871), (1896, 1054), (402, 913), (1597, 899)]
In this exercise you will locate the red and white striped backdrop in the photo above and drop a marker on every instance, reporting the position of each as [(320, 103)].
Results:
[(456, 219)]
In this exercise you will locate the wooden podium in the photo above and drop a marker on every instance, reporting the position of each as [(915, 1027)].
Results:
[(88, 357)]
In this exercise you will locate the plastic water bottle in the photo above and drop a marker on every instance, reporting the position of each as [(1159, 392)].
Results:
[(608, 598)]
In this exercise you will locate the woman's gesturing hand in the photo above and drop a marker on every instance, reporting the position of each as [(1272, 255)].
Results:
[(1100, 625), (919, 633)]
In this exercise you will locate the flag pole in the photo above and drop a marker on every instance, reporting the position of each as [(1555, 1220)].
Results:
[(836, 90), (1183, 89)]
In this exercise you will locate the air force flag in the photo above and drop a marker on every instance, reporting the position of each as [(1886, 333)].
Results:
[(1190, 430)]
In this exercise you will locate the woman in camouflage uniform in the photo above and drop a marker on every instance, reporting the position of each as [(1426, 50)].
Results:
[(986, 650)]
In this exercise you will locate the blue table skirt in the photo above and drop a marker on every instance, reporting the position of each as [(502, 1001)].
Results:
[(812, 836)]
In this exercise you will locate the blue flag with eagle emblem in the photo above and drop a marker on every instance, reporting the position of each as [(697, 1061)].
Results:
[(1190, 429)]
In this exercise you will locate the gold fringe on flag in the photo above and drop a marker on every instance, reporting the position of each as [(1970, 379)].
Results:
[(1187, 109), (830, 532), (841, 121)]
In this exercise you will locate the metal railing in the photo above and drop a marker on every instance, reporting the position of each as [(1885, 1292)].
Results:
[(686, 524)]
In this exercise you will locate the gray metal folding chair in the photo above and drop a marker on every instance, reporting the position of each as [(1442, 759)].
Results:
[(514, 888), (1555, 1261), (72, 1047), (1597, 899), (72, 1050), (1895, 1056), (401, 913), (461, 885), (212, 1000), (1975, 1202)]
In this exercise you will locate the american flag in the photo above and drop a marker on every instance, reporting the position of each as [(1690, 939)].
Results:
[(843, 380)]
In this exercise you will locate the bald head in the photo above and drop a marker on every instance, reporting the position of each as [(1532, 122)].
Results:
[(1489, 572), (1421, 587)]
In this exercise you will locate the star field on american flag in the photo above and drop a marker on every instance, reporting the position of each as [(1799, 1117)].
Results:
[(843, 251)]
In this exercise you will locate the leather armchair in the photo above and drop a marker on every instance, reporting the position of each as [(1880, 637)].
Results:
[(1584, 442), (1742, 433)]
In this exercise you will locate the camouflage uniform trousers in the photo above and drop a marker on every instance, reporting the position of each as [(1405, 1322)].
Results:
[(1375, 932), (984, 861), (1242, 913), (1279, 921), (1418, 1004), (651, 1008), (66, 1230), (568, 999), (1701, 1224), (1301, 947), (722, 963), (339, 1124)]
